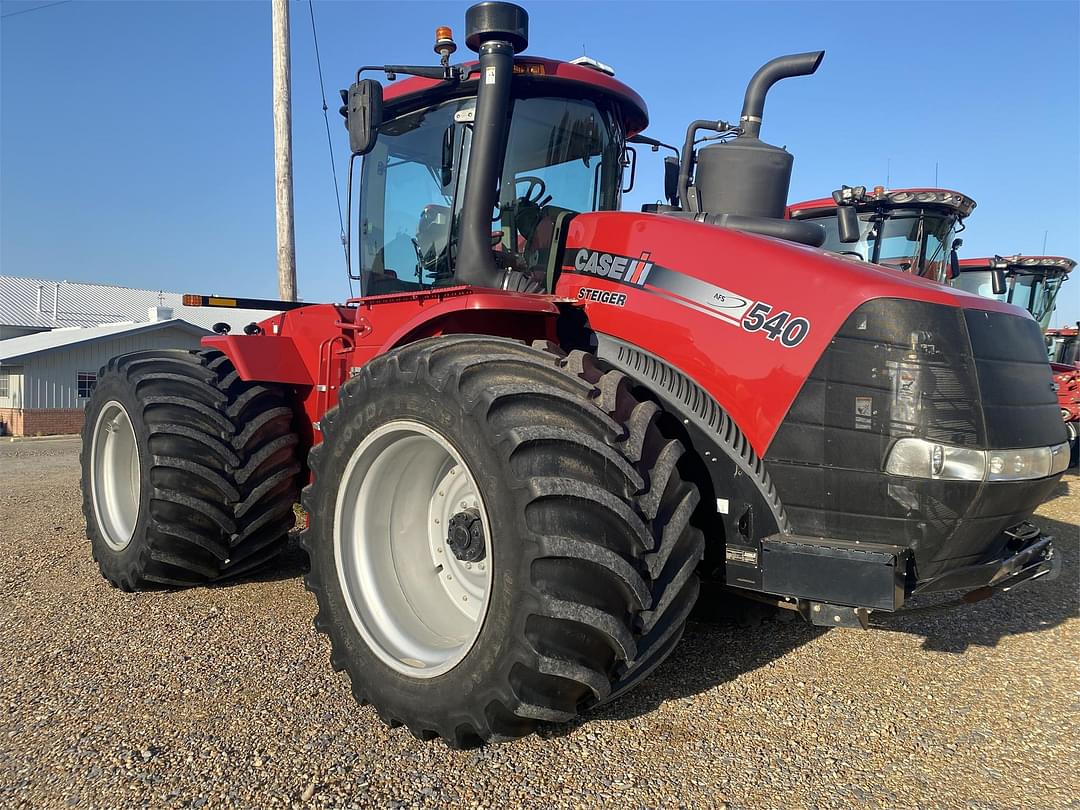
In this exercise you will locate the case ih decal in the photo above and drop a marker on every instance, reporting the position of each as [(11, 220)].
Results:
[(753, 316)]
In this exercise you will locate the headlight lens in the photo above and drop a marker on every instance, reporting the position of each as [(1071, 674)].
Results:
[(919, 458)]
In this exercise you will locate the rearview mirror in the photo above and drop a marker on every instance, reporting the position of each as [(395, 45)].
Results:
[(365, 112), (446, 170), (954, 259), (848, 221), (671, 180), (997, 280)]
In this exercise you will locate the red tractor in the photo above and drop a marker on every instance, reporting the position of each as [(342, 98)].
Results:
[(1063, 345), (909, 229), (1033, 282), (1064, 349), (546, 419)]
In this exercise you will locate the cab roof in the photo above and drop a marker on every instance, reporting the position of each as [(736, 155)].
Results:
[(895, 198), (537, 68), (1020, 263)]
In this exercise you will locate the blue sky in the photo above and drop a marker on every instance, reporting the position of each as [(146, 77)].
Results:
[(136, 145)]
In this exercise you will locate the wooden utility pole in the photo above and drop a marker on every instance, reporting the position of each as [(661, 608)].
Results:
[(283, 184)]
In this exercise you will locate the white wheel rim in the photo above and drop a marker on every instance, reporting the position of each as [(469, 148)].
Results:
[(115, 475), (418, 607)]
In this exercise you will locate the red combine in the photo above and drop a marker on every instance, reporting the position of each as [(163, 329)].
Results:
[(1033, 282), (545, 419), (908, 229)]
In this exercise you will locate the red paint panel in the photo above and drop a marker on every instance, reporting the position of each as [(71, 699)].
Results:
[(266, 358)]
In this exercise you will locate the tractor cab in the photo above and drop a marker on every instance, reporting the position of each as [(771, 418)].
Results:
[(1031, 282), (911, 230), (547, 141), (1063, 345)]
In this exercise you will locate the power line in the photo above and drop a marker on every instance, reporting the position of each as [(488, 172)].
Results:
[(35, 8), (329, 139)]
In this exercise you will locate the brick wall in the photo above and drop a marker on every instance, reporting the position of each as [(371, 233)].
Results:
[(41, 421)]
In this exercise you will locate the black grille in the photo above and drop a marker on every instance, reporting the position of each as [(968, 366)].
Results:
[(900, 368)]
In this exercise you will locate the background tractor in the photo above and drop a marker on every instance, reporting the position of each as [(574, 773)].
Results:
[(909, 229), (545, 418), (1033, 282)]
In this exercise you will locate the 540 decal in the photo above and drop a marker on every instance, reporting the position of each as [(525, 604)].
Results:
[(779, 326)]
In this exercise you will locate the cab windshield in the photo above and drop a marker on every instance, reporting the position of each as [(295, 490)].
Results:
[(910, 240), (979, 282), (1035, 292), (563, 155)]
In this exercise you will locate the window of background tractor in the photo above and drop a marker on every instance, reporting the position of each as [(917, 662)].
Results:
[(979, 282)]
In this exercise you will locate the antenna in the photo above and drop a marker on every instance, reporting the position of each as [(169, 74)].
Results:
[(935, 174), (1045, 234), (888, 170)]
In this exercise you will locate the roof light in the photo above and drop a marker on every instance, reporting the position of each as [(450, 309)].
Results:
[(879, 190), (190, 300), (529, 68), (586, 61), (444, 40)]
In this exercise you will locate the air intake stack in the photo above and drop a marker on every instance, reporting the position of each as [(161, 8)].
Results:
[(496, 31)]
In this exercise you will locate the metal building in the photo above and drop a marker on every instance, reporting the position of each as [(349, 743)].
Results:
[(47, 377), (29, 305)]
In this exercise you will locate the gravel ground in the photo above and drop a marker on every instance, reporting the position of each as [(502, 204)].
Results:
[(225, 697)]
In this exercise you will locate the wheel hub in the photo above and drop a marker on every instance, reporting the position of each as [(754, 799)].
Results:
[(466, 536)]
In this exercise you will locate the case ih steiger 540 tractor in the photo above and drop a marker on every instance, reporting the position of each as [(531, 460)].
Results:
[(909, 229), (545, 418), (1033, 282)]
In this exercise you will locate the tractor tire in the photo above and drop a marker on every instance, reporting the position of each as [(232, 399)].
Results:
[(189, 474), (545, 487)]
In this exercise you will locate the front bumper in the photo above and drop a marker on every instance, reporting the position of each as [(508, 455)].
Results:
[(1028, 556), (839, 582)]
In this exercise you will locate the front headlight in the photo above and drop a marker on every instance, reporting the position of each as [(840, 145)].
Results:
[(919, 458)]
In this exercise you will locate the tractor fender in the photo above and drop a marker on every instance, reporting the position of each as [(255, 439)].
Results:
[(745, 500), (489, 312)]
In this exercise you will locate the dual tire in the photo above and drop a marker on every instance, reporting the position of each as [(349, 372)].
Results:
[(189, 474), (500, 535)]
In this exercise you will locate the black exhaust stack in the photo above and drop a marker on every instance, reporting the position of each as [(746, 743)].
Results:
[(746, 176), (496, 31)]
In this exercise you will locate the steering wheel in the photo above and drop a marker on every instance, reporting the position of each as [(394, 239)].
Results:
[(535, 192)]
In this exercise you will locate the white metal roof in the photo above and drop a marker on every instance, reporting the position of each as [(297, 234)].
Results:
[(82, 304), (18, 348)]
